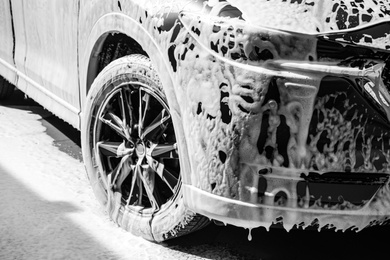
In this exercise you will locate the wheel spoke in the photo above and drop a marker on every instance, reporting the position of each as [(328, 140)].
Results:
[(147, 179), (119, 174), (170, 179), (157, 122), (126, 111), (123, 171), (139, 183), (115, 149), (133, 181), (115, 124), (165, 175), (142, 109), (145, 183), (117, 121), (164, 151), (109, 148), (115, 179)]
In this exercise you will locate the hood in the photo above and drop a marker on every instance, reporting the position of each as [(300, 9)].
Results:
[(312, 16)]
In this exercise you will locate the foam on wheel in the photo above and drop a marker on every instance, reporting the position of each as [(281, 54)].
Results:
[(131, 154)]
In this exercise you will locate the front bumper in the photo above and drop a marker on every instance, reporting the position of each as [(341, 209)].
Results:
[(279, 130), (252, 215)]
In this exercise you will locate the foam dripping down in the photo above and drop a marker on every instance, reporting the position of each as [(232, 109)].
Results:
[(249, 234)]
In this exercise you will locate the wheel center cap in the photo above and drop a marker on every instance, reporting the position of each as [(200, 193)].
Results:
[(140, 150)]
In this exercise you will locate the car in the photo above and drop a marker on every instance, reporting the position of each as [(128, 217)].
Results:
[(250, 113)]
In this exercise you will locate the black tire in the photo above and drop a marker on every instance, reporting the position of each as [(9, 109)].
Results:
[(6, 89), (130, 152)]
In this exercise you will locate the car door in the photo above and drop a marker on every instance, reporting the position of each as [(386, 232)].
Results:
[(49, 55), (6, 42)]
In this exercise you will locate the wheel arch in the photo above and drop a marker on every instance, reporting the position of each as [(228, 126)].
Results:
[(116, 23)]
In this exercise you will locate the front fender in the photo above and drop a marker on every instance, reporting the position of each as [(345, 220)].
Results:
[(152, 45)]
